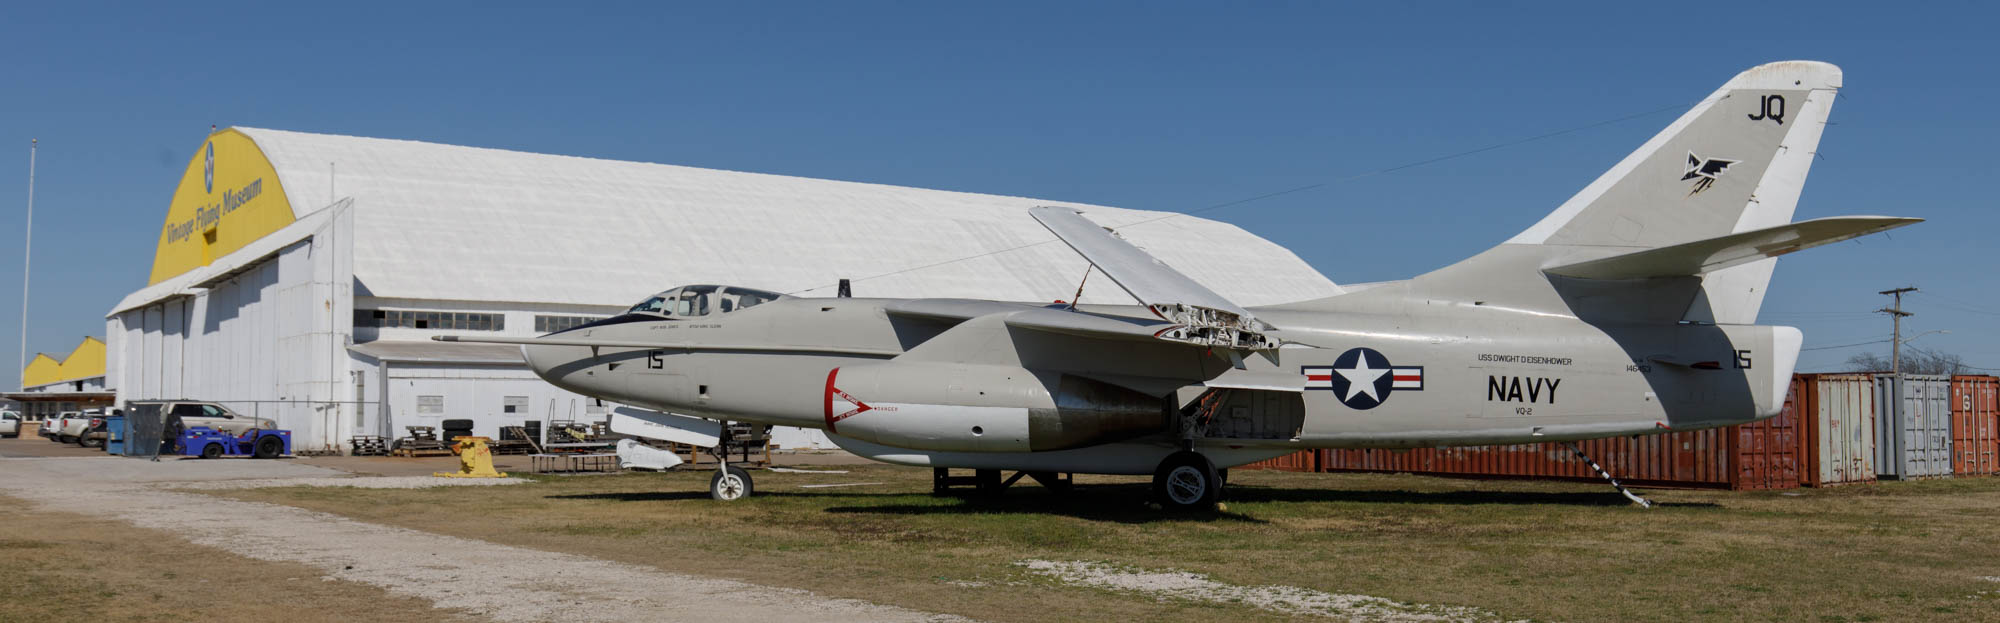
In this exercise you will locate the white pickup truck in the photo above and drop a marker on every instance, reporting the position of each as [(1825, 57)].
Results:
[(75, 426), (52, 426), (10, 424)]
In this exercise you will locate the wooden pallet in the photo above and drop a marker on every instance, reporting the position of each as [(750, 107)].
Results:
[(370, 445), (423, 441)]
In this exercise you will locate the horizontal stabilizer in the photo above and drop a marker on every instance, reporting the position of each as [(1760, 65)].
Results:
[(1713, 254)]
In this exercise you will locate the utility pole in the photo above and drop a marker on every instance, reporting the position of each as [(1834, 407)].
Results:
[(1896, 342), (26, 254)]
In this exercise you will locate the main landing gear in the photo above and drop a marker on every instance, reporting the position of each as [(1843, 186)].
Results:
[(988, 482), (730, 482), (1187, 481)]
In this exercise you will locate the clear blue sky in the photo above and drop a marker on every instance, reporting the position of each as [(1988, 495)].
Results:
[(1156, 106)]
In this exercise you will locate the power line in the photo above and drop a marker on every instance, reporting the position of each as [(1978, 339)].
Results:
[(1843, 345), (1955, 304), (1288, 191)]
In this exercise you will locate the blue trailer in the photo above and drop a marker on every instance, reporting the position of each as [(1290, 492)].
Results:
[(209, 443)]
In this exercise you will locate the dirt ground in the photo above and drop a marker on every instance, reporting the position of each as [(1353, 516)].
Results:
[(1915, 551), (479, 577), (872, 537), (68, 567)]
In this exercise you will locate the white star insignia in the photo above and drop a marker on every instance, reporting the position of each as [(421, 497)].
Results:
[(1361, 379)]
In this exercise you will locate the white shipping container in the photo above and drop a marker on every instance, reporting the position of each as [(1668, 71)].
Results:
[(1839, 420)]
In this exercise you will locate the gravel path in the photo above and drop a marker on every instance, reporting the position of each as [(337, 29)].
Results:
[(498, 581), (1290, 600)]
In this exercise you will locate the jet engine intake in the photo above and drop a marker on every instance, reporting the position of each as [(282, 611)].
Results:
[(979, 408)]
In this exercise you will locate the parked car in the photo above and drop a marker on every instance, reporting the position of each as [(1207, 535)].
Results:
[(185, 414), (10, 424)]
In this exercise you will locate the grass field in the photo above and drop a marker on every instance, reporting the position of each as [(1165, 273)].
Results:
[(1543, 551)]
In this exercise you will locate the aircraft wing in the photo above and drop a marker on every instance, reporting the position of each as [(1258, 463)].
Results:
[(1713, 254), (1039, 318), (1204, 317), (654, 344)]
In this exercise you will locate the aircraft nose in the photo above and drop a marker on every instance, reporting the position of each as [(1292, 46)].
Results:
[(547, 359)]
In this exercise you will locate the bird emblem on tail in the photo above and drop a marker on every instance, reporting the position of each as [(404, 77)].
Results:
[(1704, 171)]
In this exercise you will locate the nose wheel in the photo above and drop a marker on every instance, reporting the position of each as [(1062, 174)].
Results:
[(730, 483), (1187, 481)]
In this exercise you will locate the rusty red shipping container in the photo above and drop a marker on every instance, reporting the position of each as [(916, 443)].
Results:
[(1301, 461), (1975, 424), (1759, 455)]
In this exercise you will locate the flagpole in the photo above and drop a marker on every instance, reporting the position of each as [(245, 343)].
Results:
[(26, 254)]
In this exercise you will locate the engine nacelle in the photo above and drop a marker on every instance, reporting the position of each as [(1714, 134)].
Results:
[(977, 408)]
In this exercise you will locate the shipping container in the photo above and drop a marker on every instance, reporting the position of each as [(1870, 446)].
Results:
[(1301, 461), (1758, 455), (1837, 428), (1912, 426), (1975, 425)]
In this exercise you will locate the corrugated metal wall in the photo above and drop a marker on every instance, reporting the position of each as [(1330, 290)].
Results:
[(1301, 461), (1975, 425), (1754, 456), (1912, 426)]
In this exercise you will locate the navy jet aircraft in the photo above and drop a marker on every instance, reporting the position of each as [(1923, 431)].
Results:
[(1629, 310)]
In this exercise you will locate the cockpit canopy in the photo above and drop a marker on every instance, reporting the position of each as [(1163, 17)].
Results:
[(693, 301)]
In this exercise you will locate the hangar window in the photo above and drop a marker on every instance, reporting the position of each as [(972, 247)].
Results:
[(412, 319), (514, 404), (430, 405), (552, 324)]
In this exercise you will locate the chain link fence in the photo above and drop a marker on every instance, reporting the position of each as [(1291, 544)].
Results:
[(319, 427)]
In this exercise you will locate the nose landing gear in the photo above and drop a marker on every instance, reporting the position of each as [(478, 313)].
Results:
[(730, 483)]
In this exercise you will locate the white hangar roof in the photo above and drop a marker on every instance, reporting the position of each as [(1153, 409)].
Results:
[(444, 222)]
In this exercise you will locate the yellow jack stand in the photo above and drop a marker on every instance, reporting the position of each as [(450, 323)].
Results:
[(475, 460)]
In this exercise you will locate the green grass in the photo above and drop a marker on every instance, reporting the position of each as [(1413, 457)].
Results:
[(1547, 551)]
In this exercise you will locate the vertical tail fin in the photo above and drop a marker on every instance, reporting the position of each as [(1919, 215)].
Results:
[(1736, 162)]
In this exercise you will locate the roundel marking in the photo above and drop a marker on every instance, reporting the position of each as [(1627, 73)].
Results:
[(1363, 378)]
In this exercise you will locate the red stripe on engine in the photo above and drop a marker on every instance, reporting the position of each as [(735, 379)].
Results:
[(828, 405)]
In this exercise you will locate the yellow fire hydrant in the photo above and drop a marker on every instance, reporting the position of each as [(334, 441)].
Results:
[(475, 460)]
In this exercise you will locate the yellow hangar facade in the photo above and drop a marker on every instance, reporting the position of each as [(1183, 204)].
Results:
[(50, 386), (301, 276)]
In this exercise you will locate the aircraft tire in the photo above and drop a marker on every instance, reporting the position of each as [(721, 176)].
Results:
[(729, 484), (1187, 481)]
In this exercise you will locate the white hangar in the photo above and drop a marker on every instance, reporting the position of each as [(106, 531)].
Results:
[(300, 276)]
